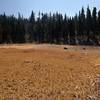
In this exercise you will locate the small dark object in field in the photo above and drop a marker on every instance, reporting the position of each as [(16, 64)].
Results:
[(65, 48), (84, 48)]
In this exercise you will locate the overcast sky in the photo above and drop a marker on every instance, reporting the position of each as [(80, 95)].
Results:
[(70, 7)]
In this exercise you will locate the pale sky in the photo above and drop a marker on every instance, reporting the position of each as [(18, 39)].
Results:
[(70, 7)]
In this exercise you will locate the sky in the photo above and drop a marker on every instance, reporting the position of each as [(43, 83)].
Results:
[(70, 7)]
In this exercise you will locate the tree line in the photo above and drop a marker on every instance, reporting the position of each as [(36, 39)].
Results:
[(82, 29)]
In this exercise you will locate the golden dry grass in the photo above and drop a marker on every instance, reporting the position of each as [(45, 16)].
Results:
[(48, 72)]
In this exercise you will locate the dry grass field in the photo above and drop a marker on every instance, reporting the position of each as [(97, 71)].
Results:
[(49, 72)]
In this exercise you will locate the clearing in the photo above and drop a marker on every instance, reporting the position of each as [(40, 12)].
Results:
[(49, 72)]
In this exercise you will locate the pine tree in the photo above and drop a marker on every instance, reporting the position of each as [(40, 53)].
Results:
[(31, 27), (94, 25), (88, 24)]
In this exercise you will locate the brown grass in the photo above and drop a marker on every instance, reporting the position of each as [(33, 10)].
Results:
[(49, 72)]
